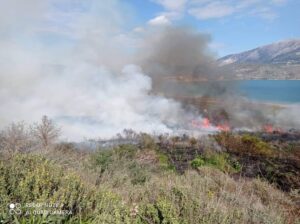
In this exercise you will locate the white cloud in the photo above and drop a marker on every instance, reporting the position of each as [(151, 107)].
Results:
[(174, 10), (172, 4), (161, 20), (247, 3), (165, 18), (212, 10), (279, 2), (209, 9), (264, 12)]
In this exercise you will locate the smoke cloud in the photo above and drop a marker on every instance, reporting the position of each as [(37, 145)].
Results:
[(175, 51), (182, 52), (72, 60), (68, 61)]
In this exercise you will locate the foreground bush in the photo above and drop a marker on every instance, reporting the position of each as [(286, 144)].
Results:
[(219, 161), (33, 179), (132, 191)]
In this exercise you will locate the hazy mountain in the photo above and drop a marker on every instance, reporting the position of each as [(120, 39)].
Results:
[(279, 60), (284, 52)]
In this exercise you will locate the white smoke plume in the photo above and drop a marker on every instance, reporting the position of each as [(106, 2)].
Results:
[(71, 61), (76, 62)]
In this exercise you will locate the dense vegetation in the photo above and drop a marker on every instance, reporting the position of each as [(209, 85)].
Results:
[(173, 180)]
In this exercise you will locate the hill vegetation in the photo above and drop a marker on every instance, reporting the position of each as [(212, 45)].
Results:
[(164, 180)]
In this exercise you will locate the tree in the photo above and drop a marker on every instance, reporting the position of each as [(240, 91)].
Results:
[(15, 138), (46, 132)]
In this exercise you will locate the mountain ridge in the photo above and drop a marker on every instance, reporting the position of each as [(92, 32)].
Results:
[(279, 60), (282, 52)]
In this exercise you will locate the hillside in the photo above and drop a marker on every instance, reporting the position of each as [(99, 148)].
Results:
[(279, 60), (222, 178)]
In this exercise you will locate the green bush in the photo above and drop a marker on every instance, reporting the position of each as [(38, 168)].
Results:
[(143, 194), (162, 211), (164, 162), (254, 145), (138, 174), (103, 158), (34, 179), (220, 161), (127, 151), (245, 144), (197, 162)]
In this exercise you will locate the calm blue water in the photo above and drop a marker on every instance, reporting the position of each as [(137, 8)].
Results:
[(284, 91), (281, 91)]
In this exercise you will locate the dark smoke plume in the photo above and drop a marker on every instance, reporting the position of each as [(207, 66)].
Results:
[(177, 51), (183, 54)]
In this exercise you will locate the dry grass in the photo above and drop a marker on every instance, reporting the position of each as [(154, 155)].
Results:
[(203, 196)]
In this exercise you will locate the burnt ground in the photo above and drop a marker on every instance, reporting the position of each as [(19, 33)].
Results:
[(274, 157), (284, 173), (180, 155)]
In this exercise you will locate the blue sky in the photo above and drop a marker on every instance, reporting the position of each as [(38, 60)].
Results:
[(234, 25)]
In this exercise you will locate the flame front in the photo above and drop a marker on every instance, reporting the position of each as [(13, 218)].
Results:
[(207, 124), (270, 128)]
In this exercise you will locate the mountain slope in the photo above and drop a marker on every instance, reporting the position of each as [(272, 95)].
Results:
[(284, 52), (279, 60)]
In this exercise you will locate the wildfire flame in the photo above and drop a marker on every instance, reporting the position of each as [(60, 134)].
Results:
[(223, 127), (206, 124), (270, 128)]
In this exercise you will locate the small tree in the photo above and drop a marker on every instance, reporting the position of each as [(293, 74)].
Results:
[(15, 138), (46, 132)]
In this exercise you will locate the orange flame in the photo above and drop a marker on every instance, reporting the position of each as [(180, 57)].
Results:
[(270, 129), (206, 123), (223, 127)]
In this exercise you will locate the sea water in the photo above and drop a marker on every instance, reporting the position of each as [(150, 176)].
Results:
[(277, 91)]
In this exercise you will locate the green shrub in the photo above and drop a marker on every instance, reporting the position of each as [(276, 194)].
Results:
[(103, 158), (143, 194), (236, 165), (164, 162), (34, 179), (245, 144), (138, 174), (197, 162), (162, 211), (127, 151), (220, 161), (256, 146)]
